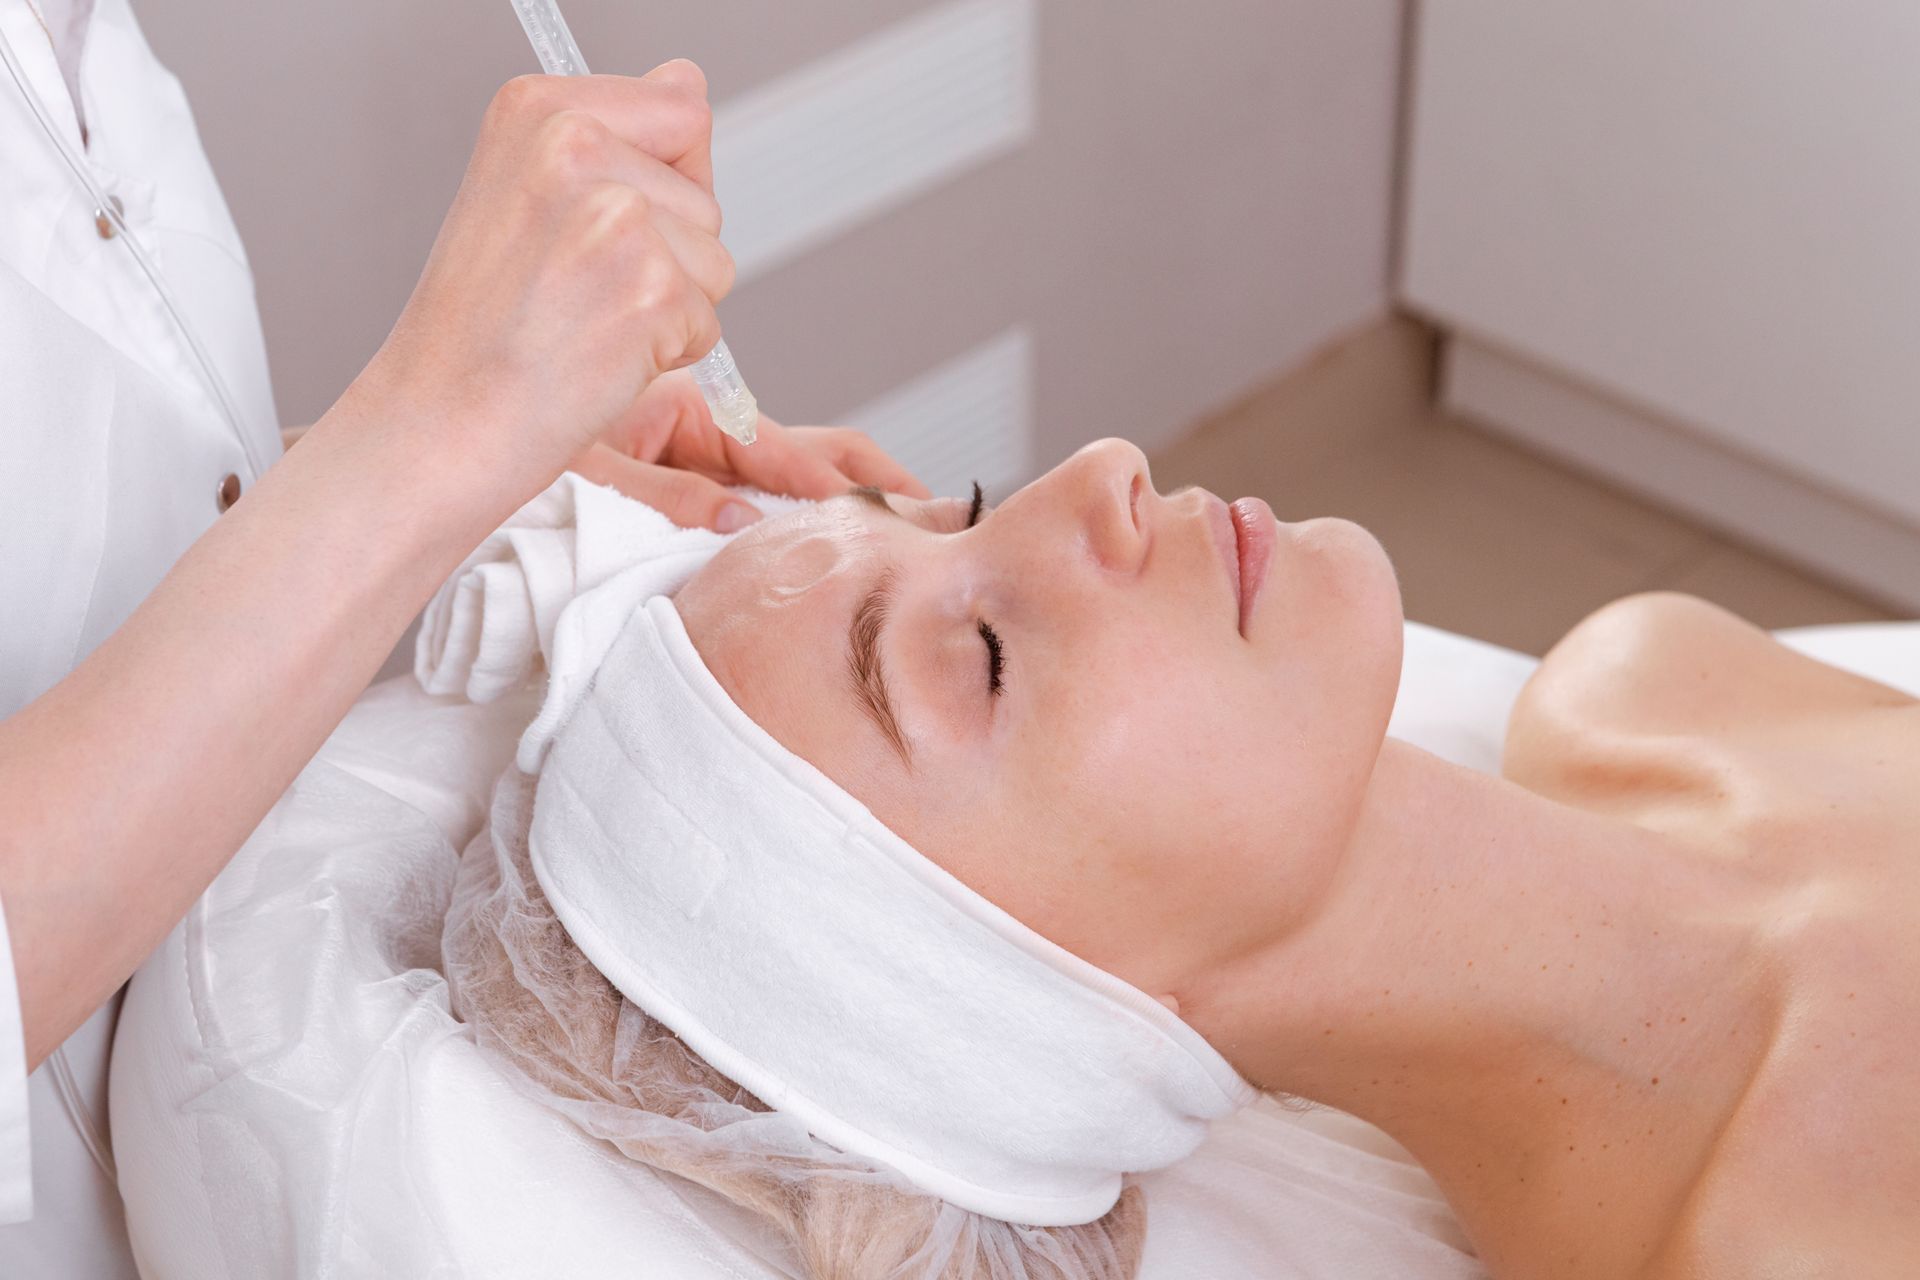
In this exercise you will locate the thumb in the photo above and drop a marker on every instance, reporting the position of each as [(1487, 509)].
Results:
[(684, 497)]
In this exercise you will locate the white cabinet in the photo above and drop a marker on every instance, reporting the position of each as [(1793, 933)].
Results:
[(1681, 242)]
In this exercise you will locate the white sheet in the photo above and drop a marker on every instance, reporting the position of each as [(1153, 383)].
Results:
[(291, 1096)]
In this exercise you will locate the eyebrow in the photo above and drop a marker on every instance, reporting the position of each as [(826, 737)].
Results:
[(863, 661), (873, 496)]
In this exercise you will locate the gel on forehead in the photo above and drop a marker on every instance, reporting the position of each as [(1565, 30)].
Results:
[(804, 562), (745, 900)]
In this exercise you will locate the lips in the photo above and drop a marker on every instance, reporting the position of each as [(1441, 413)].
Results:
[(1253, 534)]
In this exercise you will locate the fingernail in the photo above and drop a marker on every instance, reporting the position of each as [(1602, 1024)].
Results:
[(734, 517)]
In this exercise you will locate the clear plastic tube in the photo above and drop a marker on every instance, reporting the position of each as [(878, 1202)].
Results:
[(734, 409)]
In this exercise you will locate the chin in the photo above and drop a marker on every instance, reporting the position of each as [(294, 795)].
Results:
[(1353, 601), (1353, 572)]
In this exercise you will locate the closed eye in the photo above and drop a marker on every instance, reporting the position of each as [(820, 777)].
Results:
[(996, 659), (870, 617), (996, 652)]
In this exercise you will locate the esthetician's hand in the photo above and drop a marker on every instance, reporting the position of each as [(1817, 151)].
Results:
[(580, 261), (667, 453)]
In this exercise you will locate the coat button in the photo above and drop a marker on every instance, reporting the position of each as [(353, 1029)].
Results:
[(102, 223), (229, 492)]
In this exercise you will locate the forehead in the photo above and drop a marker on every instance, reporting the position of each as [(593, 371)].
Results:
[(769, 612), (785, 567)]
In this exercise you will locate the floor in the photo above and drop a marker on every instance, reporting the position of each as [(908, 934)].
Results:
[(1489, 539)]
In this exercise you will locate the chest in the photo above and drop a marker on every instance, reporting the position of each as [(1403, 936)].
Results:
[(1686, 720), (1825, 1148)]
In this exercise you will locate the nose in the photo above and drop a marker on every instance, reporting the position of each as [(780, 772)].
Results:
[(1105, 489)]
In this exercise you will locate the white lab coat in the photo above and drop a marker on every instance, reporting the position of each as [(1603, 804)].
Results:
[(115, 443)]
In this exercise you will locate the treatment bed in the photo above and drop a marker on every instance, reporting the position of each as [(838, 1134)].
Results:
[(291, 1096)]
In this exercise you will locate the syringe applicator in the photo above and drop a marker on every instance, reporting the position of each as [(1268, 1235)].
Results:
[(734, 409)]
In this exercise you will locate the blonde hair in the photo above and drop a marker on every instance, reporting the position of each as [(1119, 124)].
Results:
[(537, 1003)]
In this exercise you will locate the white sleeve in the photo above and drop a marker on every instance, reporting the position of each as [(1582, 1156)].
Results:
[(16, 1156)]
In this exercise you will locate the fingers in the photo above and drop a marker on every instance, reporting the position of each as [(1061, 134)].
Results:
[(672, 307), (667, 409), (687, 498), (584, 150), (779, 463), (683, 72), (664, 113), (855, 455), (656, 279), (704, 259), (627, 185), (669, 424), (868, 463)]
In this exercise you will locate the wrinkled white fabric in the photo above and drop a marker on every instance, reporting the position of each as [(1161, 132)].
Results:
[(292, 1096)]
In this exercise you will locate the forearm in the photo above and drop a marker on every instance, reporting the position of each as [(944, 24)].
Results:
[(580, 258), (131, 783)]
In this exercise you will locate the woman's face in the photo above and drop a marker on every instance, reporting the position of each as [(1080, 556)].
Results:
[(1081, 705)]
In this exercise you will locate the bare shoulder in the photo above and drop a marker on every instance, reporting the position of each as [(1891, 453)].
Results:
[(1663, 662), (1656, 652), (1648, 700), (1654, 615)]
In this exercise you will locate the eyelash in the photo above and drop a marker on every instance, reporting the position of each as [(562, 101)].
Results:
[(996, 652), (996, 659)]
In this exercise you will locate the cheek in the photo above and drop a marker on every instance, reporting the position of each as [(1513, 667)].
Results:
[(1126, 810), (1201, 807)]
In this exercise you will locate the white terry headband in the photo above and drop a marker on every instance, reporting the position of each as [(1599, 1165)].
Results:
[(738, 895), (741, 897)]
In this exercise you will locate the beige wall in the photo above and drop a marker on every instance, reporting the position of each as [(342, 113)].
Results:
[(1205, 200)]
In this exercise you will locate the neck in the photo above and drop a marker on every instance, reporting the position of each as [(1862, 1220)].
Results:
[(1551, 1009)]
